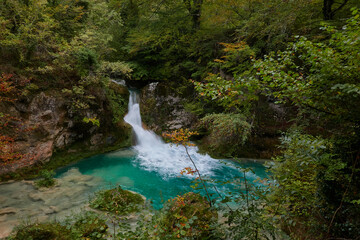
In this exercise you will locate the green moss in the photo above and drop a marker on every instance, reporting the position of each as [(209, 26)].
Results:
[(117, 96), (42, 231), (47, 179), (117, 200), (225, 133), (87, 225), (194, 107)]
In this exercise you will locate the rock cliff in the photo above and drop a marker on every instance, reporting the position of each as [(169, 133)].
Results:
[(56, 128), (162, 108)]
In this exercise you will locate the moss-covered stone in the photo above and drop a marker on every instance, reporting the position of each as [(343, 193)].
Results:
[(117, 201), (162, 107), (42, 231)]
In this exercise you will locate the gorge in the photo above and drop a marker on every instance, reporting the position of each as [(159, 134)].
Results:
[(151, 168)]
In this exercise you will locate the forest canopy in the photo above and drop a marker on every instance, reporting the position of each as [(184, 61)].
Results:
[(233, 55)]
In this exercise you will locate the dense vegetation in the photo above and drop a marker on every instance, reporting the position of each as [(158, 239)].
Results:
[(117, 201), (302, 54)]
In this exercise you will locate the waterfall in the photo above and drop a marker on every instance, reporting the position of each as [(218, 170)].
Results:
[(155, 155), (144, 138)]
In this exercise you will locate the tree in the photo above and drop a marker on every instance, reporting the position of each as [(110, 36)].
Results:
[(329, 10), (181, 137), (194, 8), (315, 177)]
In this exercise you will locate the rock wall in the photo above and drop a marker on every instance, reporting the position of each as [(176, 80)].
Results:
[(162, 108), (56, 128)]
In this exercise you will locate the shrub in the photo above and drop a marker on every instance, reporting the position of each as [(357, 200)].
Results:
[(89, 225), (42, 231), (117, 200), (186, 216), (299, 173), (47, 179), (226, 132)]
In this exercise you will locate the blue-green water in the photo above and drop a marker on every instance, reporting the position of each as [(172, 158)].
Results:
[(127, 169), (152, 167)]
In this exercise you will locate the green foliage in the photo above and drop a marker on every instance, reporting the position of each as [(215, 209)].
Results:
[(86, 60), (117, 104), (235, 95), (42, 231), (56, 40), (321, 80), (225, 132), (47, 179), (321, 76), (118, 69), (315, 186), (249, 218), (69, 45), (32, 32), (188, 216), (94, 121), (236, 59), (296, 199), (194, 107), (88, 225), (117, 201)]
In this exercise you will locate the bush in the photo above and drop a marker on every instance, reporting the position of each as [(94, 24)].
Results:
[(87, 60), (226, 132), (296, 197), (117, 200), (47, 179), (42, 231), (186, 216), (89, 225)]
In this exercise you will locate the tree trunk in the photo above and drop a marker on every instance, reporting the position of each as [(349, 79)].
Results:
[(327, 12), (194, 8)]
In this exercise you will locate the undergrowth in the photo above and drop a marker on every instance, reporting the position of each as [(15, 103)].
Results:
[(117, 201)]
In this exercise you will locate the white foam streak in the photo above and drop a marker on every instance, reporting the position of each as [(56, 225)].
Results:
[(155, 155)]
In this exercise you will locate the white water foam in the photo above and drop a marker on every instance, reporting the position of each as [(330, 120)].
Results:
[(155, 155)]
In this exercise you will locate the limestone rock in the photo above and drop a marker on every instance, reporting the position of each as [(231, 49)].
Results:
[(8, 210), (97, 139), (162, 108), (56, 126)]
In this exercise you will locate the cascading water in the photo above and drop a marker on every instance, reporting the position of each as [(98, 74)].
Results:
[(152, 167), (155, 155)]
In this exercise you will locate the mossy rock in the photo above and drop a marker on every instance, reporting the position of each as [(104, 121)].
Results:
[(47, 179), (117, 201), (42, 231), (119, 89)]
